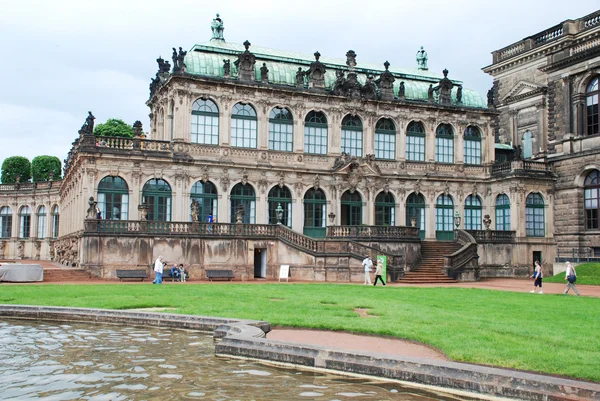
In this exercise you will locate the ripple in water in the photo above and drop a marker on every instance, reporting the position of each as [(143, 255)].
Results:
[(41, 360)]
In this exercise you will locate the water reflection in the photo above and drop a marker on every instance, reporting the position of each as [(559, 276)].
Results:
[(53, 361)]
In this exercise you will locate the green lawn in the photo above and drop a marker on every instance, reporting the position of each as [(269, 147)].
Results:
[(551, 333), (587, 273)]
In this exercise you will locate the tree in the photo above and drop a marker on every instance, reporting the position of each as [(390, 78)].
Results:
[(42, 166), (16, 166), (114, 127)]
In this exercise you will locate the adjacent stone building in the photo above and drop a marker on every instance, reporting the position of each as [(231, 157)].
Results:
[(546, 90)]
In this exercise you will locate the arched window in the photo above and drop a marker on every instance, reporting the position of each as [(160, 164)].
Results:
[(534, 215), (415, 142), (243, 195), (41, 222), (172, 121), (415, 209), (444, 218), (113, 198), (591, 107), (385, 213), (315, 213), (315, 133), (472, 138), (281, 130), (592, 200), (280, 196), (472, 213), (352, 136), (385, 139), (502, 213), (55, 216), (205, 122), (156, 194), (206, 195), (243, 126), (444, 144), (527, 145), (5, 222), (25, 219), (351, 209)]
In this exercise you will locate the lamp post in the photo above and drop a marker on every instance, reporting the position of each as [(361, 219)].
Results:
[(279, 213), (456, 219)]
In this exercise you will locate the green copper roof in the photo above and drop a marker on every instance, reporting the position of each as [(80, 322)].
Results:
[(207, 59)]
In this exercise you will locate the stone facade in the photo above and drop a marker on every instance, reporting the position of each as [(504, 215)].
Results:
[(541, 84)]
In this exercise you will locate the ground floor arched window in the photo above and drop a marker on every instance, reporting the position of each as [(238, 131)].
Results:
[(6, 222), (415, 210), (351, 209), (315, 213), (156, 194), (55, 219), (534, 215), (243, 198), (280, 197), (592, 200), (502, 213), (385, 212), (41, 222), (205, 193), (473, 213), (444, 218), (25, 220)]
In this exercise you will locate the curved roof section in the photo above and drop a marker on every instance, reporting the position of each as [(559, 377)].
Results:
[(207, 60)]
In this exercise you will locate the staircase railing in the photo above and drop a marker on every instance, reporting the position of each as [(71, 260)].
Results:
[(465, 258)]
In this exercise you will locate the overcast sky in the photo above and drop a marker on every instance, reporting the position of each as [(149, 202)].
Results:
[(63, 58)]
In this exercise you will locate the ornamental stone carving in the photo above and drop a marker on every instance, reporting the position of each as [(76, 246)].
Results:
[(205, 176), (244, 175), (444, 89), (245, 64), (386, 83), (263, 183), (317, 182), (316, 73)]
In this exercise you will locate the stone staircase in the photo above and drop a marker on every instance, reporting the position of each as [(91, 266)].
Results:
[(432, 262), (65, 274)]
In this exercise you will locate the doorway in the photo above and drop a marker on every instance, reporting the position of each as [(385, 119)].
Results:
[(260, 262)]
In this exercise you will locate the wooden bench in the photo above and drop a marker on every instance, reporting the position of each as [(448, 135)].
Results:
[(218, 274), (141, 274)]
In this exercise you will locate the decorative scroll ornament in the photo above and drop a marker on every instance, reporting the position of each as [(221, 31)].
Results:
[(281, 179), (263, 183), (204, 178), (417, 187), (225, 181), (244, 174), (446, 189), (317, 182), (474, 189)]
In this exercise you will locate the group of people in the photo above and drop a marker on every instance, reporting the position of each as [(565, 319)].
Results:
[(570, 277), (178, 272), (368, 266)]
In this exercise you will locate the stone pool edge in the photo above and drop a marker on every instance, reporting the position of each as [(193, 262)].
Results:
[(247, 339)]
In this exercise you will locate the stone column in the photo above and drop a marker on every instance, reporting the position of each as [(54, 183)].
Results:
[(459, 146), (262, 128), (542, 133), (180, 116), (225, 122), (297, 214), (400, 142), (430, 220), (299, 133), (430, 142), (334, 135), (369, 136), (369, 207), (223, 208)]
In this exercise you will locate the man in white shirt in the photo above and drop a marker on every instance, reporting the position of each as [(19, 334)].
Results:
[(368, 265), (570, 271), (158, 269)]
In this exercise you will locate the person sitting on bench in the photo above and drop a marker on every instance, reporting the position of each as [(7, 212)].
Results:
[(183, 274), (175, 273)]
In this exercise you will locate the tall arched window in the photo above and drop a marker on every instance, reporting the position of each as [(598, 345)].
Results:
[(385, 139), (472, 213), (243, 195), (243, 126), (206, 195), (472, 138), (592, 200), (415, 142), (444, 144), (25, 220), (156, 194), (415, 209), (351, 209), (444, 218), (591, 107), (281, 130), (5, 222), (280, 196), (41, 222), (172, 121), (385, 209), (315, 133), (113, 198), (315, 213), (534, 215), (55, 219), (527, 145), (502, 213), (205, 122), (352, 136)]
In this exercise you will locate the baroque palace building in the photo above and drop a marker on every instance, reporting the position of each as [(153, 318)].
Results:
[(258, 157)]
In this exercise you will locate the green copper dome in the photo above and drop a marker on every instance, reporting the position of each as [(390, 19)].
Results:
[(207, 60)]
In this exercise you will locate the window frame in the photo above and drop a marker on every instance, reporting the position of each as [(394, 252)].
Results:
[(416, 142), (352, 139), (206, 119), (503, 212), (591, 201), (592, 93), (281, 127), (534, 204), (444, 144), (246, 135), (472, 145), (385, 134), (314, 130)]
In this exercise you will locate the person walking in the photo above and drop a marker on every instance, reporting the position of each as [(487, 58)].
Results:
[(571, 277), (158, 270), (378, 271), (538, 274), (368, 265)]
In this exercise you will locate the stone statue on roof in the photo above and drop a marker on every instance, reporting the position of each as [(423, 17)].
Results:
[(444, 88), (316, 73), (226, 68), (386, 83), (422, 59), (300, 78), (401, 91), (459, 94), (264, 73), (217, 29), (369, 90), (351, 59), (245, 63), (430, 94)]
